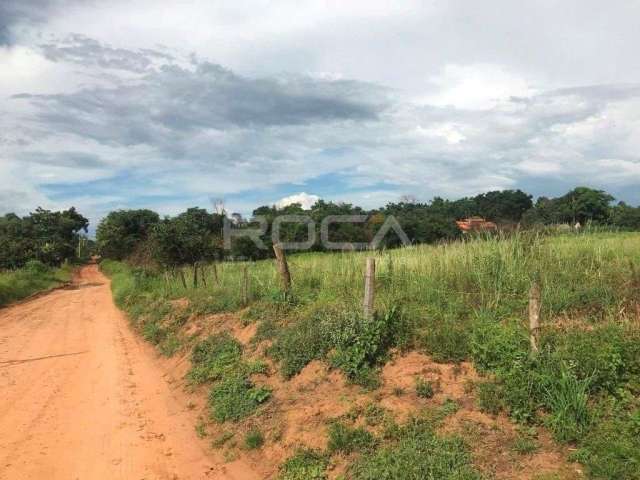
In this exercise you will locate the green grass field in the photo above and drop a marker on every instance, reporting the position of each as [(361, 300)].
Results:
[(454, 302), (34, 277)]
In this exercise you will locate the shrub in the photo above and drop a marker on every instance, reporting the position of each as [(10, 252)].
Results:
[(299, 344), (346, 440), (361, 344), (235, 397), (305, 464), (36, 267)]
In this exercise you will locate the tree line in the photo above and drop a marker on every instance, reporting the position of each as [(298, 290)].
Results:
[(144, 237), (50, 237), (196, 235)]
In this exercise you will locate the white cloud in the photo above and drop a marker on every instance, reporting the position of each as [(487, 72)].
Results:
[(476, 86), (302, 198), (455, 100)]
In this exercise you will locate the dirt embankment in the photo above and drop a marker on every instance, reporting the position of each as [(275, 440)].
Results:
[(83, 398)]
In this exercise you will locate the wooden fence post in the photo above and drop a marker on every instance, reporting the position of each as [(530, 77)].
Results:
[(283, 268), (215, 273), (369, 288), (167, 282), (195, 275), (534, 315), (245, 285), (203, 274), (184, 280)]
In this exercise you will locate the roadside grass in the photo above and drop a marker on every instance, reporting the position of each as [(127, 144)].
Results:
[(34, 277), (305, 464), (417, 453), (464, 301)]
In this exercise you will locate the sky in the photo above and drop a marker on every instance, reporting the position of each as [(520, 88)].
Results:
[(168, 105)]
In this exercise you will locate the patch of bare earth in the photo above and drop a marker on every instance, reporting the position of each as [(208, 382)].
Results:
[(300, 409)]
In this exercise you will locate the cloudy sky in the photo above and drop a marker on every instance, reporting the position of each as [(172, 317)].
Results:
[(118, 104)]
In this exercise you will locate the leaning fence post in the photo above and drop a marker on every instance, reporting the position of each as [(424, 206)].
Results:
[(369, 287), (534, 315), (283, 268), (245, 285)]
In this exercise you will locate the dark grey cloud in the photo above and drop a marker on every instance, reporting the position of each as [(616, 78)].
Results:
[(172, 99), (16, 12)]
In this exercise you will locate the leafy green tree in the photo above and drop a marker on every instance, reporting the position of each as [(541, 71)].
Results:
[(121, 232), (50, 237), (626, 216), (193, 236)]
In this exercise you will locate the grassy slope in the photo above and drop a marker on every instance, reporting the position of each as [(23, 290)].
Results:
[(18, 284), (454, 302)]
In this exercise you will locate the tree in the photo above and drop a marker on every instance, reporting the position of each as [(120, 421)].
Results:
[(120, 233), (51, 237), (193, 236), (626, 216), (503, 206)]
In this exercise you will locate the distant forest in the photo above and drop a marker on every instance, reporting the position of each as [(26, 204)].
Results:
[(195, 235)]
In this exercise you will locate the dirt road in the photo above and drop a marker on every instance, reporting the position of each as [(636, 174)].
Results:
[(81, 397)]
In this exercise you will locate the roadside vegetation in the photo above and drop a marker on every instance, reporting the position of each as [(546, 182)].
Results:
[(37, 250), (464, 301), (35, 276)]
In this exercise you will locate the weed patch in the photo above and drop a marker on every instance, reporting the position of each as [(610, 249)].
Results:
[(305, 464), (214, 357), (347, 440), (418, 454), (253, 439), (235, 397)]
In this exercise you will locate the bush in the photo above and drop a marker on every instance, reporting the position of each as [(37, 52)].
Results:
[(305, 464), (361, 344), (299, 344), (36, 267), (347, 440)]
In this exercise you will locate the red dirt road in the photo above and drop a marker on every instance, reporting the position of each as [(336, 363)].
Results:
[(82, 398)]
